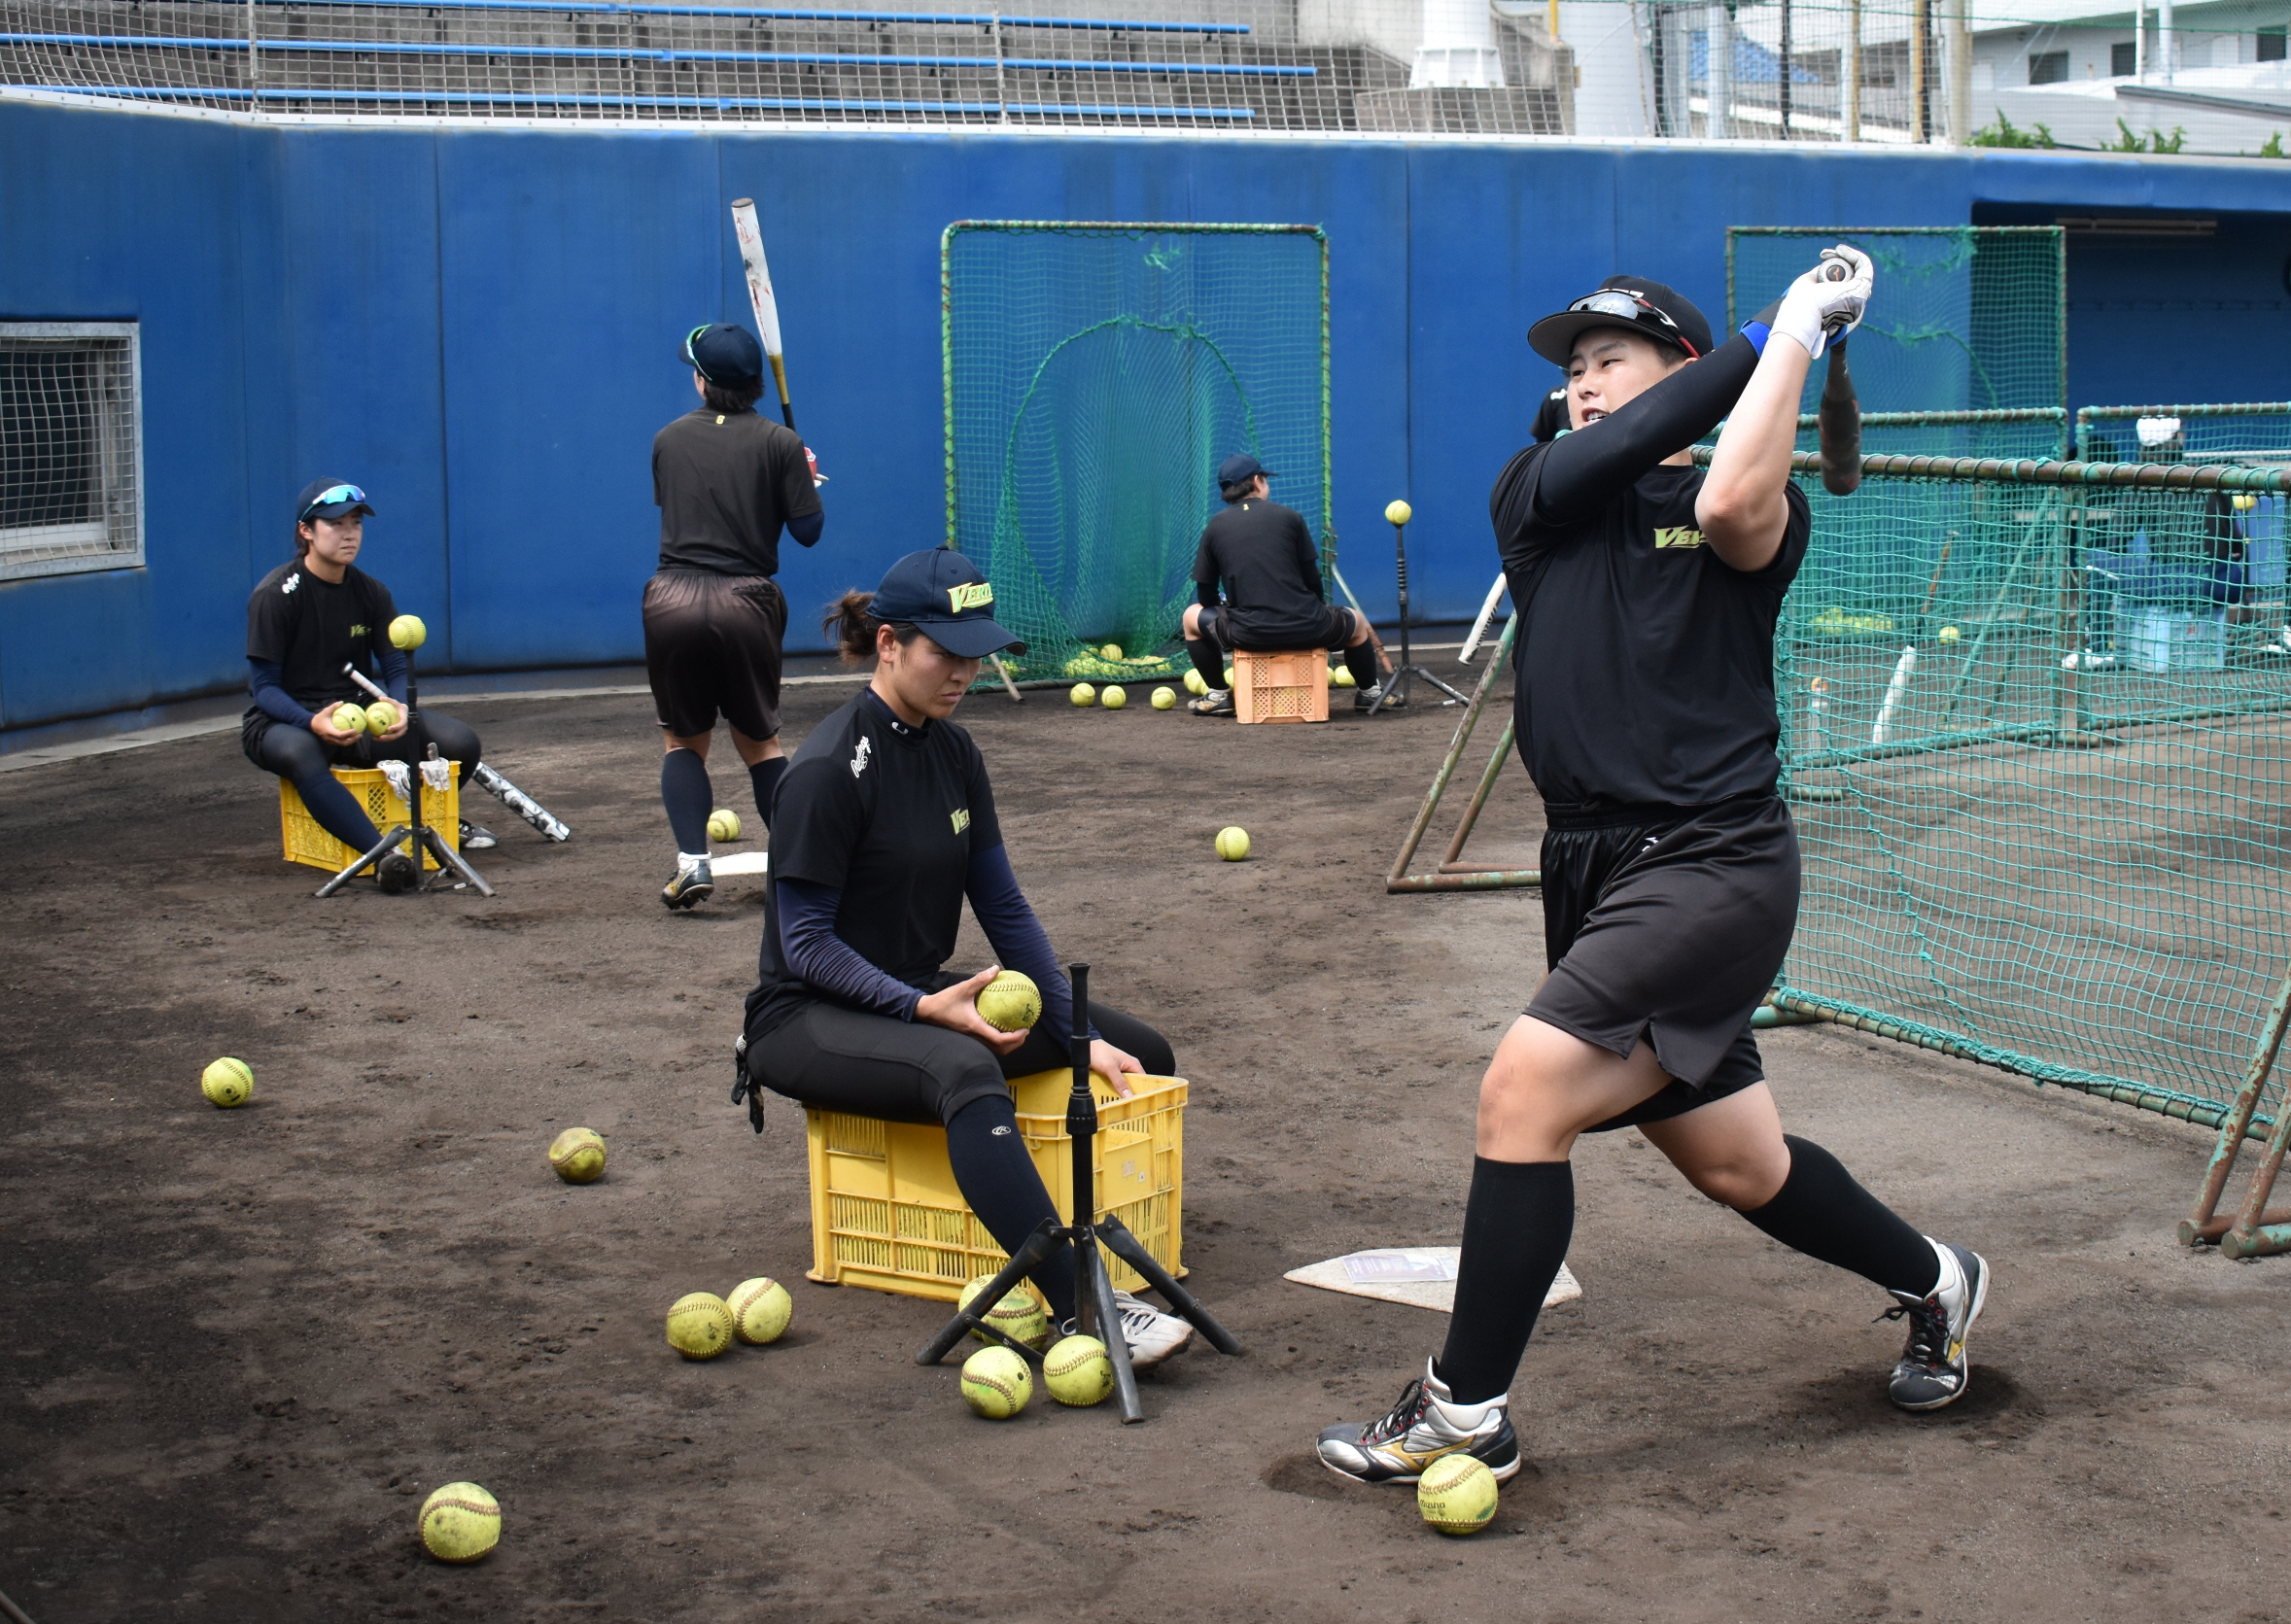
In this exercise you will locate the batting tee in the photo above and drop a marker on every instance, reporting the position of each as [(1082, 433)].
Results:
[(1096, 374)]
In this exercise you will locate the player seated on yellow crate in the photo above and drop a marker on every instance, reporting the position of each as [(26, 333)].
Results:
[(305, 620), (882, 827), (1274, 600)]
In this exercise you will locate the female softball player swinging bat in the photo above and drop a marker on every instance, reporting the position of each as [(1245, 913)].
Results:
[(1648, 596), (883, 824)]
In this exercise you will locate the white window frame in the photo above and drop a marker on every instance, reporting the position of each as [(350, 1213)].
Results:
[(114, 541)]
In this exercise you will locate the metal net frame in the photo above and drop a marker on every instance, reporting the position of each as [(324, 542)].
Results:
[(1096, 374), (2247, 433), (70, 448)]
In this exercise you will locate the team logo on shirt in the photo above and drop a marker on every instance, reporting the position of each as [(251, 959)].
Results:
[(961, 818), (860, 756), (291, 582), (359, 631), (971, 595), (1677, 535)]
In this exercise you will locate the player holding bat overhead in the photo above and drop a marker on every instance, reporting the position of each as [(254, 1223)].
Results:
[(1648, 594), (727, 482)]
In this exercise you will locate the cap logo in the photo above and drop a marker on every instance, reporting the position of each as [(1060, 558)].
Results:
[(970, 595)]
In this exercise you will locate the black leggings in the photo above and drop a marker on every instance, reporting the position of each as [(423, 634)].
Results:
[(305, 760)]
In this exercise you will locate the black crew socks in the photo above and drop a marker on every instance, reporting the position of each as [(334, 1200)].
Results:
[(684, 790), (764, 775), (997, 1178), (1517, 1225), (1822, 1212), (1208, 660), (1360, 661)]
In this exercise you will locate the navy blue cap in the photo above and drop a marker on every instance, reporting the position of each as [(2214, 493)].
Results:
[(724, 352), (944, 593), (1240, 468), (330, 498)]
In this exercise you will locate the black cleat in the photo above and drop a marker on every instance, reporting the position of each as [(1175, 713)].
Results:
[(691, 885), (1365, 699), (1217, 702), (1935, 1371), (1422, 1428), (477, 836)]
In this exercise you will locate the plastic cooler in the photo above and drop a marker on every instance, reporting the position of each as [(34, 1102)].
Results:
[(885, 1212), (307, 843), (1288, 686)]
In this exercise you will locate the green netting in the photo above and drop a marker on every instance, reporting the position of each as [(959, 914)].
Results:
[(2253, 433), (1095, 376), (2037, 737), (1965, 318), (2030, 432)]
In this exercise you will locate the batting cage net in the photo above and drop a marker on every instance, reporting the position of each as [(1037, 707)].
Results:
[(1095, 376), (2036, 733), (1967, 318), (2250, 434)]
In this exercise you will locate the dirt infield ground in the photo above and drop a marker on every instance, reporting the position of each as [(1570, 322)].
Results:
[(239, 1345)]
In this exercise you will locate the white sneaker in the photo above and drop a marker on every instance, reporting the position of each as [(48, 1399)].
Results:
[(1152, 1335), (1426, 1425)]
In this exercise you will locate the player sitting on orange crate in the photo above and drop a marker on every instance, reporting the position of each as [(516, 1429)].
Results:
[(305, 621), (881, 826), (1264, 556)]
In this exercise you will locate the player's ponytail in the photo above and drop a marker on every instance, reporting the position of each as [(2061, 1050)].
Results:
[(854, 629)]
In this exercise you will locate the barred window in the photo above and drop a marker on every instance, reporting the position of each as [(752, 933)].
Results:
[(70, 448)]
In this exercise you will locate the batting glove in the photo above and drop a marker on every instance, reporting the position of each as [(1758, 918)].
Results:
[(1827, 302)]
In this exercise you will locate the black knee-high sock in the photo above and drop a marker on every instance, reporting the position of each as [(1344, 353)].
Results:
[(1822, 1212), (1360, 661), (1517, 1225), (1208, 660), (684, 790), (764, 775), (997, 1178), (337, 810)]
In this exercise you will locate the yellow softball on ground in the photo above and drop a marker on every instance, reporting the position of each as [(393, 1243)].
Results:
[(1457, 1494), (1011, 1002), (760, 1310), (350, 719), (1078, 1372), (461, 1522), (700, 1325), (1115, 697), (996, 1383), (578, 1155), (1194, 683), (1341, 678), (1017, 1316), (408, 632), (1398, 512), (1112, 651), (724, 824), (1950, 634), (1233, 843), (1165, 699), (227, 1081), (1082, 693)]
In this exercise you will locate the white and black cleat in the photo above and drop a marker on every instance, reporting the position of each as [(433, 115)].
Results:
[(1152, 1335), (1365, 699), (692, 885), (477, 836), (1217, 702), (1426, 1425), (1935, 1371)]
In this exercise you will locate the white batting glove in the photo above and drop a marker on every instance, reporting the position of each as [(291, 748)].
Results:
[(1827, 302)]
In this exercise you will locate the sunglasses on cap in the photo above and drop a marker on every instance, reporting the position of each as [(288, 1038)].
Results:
[(328, 497), (1630, 307)]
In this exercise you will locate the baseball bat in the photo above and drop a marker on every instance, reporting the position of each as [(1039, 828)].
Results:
[(759, 294), (1838, 422)]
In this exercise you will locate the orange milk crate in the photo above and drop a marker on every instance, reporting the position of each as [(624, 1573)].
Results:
[(307, 843), (1291, 685), (885, 1212)]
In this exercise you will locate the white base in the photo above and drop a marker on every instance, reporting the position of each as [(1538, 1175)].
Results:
[(740, 862), (1438, 1295)]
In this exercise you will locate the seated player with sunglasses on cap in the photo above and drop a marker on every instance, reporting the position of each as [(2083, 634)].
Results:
[(884, 825), (305, 621), (1647, 593)]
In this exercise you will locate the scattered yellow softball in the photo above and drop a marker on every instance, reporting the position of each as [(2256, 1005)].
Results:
[(227, 1082), (1165, 699), (578, 1155), (996, 1383), (1398, 512), (1078, 1372), (760, 1310), (1011, 1002), (724, 824), (1194, 683), (700, 1325), (1233, 843), (1082, 693), (350, 719), (1115, 697), (408, 632), (1017, 1316), (461, 1522), (1950, 634), (1457, 1494), (1112, 651), (1341, 678)]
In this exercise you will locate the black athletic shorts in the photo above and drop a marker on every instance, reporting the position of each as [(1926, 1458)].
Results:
[(840, 1058), (712, 646), (1336, 630), (1671, 928)]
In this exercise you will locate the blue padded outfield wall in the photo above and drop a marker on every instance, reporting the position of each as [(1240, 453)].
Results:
[(479, 326)]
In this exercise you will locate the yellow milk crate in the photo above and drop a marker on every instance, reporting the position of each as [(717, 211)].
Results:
[(1288, 686), (885, 1212), (307, 843)]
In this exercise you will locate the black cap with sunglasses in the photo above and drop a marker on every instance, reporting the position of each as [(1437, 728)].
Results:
[(330, 498), (1649, 309)]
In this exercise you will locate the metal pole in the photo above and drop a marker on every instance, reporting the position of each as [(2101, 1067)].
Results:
[(1961, 75), (254, 64), (1921, 123), (2164, 39), (1785, 69), (1849, 76)]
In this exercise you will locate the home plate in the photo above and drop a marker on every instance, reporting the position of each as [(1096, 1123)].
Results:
[(740, 862), (1420, 1276)]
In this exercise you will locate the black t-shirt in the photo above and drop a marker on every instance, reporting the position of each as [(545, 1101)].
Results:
[(309, 629), (889, 815), (726, 484), (1644, 662), (1263, 554)]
